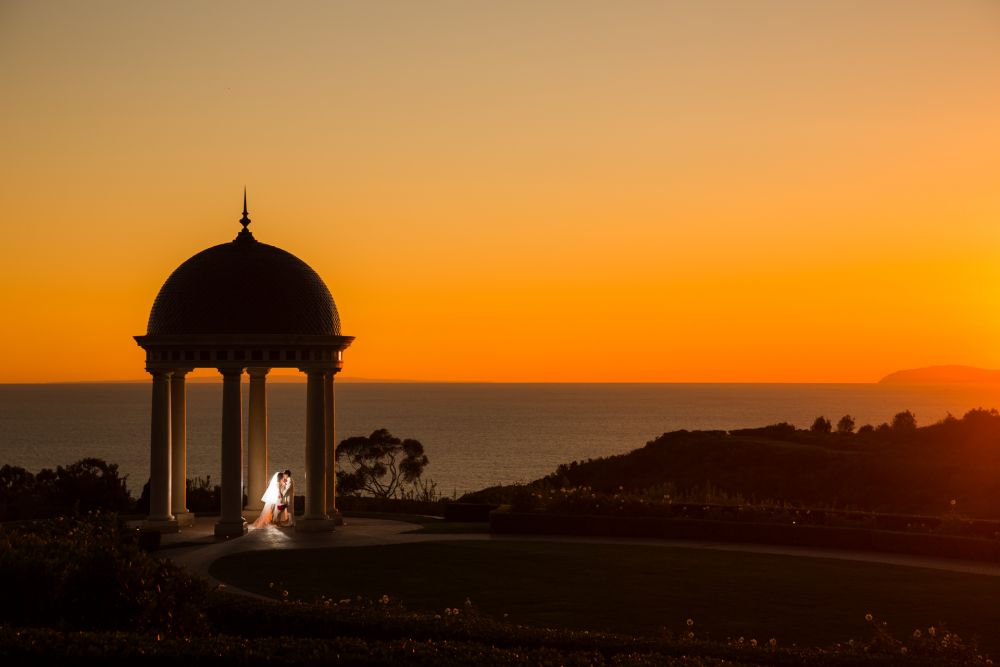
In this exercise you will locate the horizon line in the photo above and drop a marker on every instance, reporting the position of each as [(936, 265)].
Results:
[(293, 379)]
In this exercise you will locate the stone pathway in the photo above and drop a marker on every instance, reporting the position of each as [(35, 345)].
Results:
[(196, 548)]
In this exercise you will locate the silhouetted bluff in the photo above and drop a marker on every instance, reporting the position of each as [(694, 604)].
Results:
[(943, 375)]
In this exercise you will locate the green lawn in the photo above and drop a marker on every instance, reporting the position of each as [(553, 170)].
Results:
[(637, 589)]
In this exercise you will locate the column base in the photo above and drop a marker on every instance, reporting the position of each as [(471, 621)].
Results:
[(252, 506), (336, 517), (161, 525), (231, 528), (184, 519), (314, 525)]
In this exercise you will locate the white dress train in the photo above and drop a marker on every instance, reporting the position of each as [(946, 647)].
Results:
[(270, 498)]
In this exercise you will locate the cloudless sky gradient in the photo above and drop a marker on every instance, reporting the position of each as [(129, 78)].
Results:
[(712, 190)]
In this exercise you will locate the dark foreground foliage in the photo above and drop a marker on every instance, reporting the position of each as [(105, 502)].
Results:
[(90, 574), (124, 648), (383, 620), (379, 633)]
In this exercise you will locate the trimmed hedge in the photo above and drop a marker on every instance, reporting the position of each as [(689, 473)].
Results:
[(469, 512), (389, 505), (855, 539)]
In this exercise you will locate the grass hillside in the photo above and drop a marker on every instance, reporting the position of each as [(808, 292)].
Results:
[(896, 468)]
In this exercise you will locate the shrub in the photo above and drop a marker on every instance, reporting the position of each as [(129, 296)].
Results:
[(201, 496), (88, 485)]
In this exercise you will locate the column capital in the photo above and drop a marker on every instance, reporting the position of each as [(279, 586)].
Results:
[(180, 372), (316, 370), (158, 372), (256, 372), (229, 372)]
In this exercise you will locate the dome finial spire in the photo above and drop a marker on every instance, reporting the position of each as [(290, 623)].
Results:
[(244, 220), (245, 234)]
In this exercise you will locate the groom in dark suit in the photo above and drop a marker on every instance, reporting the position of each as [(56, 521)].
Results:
[(286, 514)]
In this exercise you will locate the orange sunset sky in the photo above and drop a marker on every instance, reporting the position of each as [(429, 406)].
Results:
[(710, 190)]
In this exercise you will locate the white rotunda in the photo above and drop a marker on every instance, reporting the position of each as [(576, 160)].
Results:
[(242, 306)]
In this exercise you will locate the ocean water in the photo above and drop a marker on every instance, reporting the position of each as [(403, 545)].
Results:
[(475, 435)]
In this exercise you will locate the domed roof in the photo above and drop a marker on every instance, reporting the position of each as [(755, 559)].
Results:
[(244, 287)]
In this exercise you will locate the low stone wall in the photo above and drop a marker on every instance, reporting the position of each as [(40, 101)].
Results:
[(389, 505), (468, 512), (854, 539)]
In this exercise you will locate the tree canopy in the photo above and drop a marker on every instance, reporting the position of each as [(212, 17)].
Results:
[(821, 425), (846, 424), (904, 421), (378, 464)]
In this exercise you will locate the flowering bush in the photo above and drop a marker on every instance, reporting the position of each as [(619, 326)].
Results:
[(934, 645), (381, 631)]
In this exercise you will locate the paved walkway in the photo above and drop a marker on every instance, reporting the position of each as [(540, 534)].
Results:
[(196, 548)]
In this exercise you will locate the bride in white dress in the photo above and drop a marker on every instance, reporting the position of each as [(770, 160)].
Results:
[(271, 498)]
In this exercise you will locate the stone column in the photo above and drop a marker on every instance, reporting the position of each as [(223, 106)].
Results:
[(330, 414), (257, 477), (178, 448), (315, 518), (160, 517), (231, 523)]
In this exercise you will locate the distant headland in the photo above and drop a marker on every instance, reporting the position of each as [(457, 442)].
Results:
[(943, 375)]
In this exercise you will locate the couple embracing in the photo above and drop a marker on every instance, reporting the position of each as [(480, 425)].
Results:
[(279, 502)]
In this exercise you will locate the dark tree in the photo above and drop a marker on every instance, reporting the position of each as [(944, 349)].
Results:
[(821, 425), (15, 481), (904, 421), (379, 464), (845, 425)]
